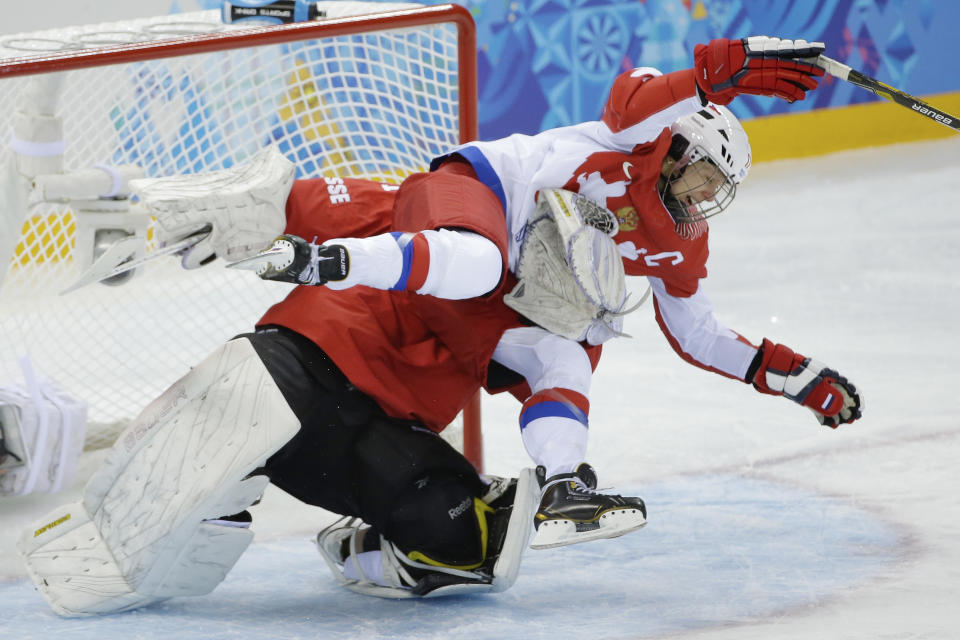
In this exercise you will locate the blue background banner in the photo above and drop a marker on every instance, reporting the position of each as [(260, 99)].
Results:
[(548, 63)]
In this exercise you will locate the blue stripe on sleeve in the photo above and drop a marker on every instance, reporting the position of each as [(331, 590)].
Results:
[(407, 249)]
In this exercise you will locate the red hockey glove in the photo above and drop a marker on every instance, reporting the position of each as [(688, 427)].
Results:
[(759, 65), (829, 395)]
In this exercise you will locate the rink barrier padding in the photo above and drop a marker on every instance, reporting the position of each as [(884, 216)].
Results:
[(822, 131)]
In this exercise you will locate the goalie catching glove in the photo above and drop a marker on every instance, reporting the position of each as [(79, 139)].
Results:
[(780, 371), (757, 65), (292, 259), (570, 275)]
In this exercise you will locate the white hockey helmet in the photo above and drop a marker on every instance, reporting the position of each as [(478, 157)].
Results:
[(712, 134)]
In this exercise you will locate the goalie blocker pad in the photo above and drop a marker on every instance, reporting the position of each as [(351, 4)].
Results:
[(139, 534)]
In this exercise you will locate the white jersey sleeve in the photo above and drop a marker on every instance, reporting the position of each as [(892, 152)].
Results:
[(444, 263), (697, 336)]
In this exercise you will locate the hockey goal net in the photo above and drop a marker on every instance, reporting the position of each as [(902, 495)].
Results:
[(372, 90)]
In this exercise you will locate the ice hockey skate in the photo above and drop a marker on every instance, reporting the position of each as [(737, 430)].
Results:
[(292, 259), (368, 563), (571, 511)]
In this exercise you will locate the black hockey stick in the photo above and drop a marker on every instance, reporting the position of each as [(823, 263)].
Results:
[(842, 71)]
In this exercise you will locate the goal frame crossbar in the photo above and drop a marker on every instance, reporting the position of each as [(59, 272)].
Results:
[(266, 35)]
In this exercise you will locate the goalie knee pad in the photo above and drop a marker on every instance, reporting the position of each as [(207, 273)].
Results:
[(140, 533), (446, 507)]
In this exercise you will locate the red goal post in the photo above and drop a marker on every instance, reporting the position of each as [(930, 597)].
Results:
[(372, 95)]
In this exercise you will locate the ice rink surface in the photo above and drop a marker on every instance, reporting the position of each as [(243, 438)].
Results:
[(762, 524)]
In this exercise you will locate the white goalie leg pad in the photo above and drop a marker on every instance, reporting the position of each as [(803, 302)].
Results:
[(139, 535), (245, 205)]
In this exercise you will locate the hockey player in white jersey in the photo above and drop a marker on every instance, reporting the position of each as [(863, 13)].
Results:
[(665, 156)]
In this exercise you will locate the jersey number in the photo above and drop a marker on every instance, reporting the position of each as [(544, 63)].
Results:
[(654, 261)]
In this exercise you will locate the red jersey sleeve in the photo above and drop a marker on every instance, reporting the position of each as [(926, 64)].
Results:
[(639, 95)]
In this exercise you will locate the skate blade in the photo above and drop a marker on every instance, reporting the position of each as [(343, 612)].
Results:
[(399, 593), (118, 258), (276, 258), (613, 524)]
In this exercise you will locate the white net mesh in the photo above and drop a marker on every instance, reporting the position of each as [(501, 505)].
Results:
[(377, 104)]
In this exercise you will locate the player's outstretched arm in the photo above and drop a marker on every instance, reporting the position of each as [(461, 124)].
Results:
[(758, 65), (832, 398)]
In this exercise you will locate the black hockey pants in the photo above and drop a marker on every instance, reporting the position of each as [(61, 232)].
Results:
[(349, 457)]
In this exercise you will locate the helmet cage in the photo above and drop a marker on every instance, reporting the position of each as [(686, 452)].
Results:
[(687, 212)]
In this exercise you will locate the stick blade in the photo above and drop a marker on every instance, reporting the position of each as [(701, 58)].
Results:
[(263, 260)]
